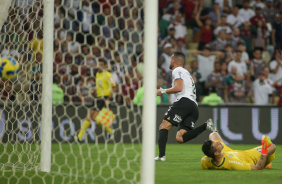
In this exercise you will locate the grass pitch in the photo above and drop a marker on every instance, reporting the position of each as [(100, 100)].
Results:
[(120, 163)]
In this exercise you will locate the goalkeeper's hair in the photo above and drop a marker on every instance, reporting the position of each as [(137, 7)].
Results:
[(208, 149), (180, 57)]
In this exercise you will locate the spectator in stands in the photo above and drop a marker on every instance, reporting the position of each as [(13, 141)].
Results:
[(88, 65), (247, 35), (129, 88), (276, 68), (197, 77), (172, 41), (257, 3), (245, 55), (276, 32), (262, 90), (236, 39), (270, 12), (224, 3), (259, 16), (180, 29), (231, 77), (206, 60), (86, 18), (189, 8), (6, 90), (246, 12), (220, 42), (257, 63), (260, 35), (235, 20), (180, 47), (72, 46), (280, 96), (212, 99), (85, 90), (238, 90), (241, 66), (205, 29), (174, 10), (64, 67), (215, 79), (171, 33), (118, 68), (215, 15), (223, 70), (165, 57), (222, 24)]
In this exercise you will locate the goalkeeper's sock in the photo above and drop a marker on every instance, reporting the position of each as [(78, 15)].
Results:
[(85, 125), (265, 144), (194, 133), (163, 134)]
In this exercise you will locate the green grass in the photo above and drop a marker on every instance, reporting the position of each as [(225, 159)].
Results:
[(120, 163)]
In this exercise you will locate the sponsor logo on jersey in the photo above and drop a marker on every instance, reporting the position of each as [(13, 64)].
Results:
[(177, 118), (235, 162)]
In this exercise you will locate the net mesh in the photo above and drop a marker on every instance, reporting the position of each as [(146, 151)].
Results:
[(85, 33)]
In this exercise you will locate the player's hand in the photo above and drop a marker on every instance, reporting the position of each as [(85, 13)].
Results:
[(265, 144), (159, 93)]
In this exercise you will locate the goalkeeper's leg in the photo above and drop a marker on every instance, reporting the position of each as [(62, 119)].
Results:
[(92, 115)]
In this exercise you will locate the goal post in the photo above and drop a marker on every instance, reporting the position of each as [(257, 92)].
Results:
[(46, 130), (150, 81)]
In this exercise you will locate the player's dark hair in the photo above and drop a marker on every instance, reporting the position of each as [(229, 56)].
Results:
[(208, 149), (181, 57)]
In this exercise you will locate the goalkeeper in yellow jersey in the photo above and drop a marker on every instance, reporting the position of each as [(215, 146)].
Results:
[(221, 157), (105, 87)]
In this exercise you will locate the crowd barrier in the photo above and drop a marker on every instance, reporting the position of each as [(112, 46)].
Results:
[(237, 124)]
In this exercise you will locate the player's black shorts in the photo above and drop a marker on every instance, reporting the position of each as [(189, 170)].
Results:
[(98, 103), (183, 113)]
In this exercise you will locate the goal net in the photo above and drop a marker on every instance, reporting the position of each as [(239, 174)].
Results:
[(85, 33)]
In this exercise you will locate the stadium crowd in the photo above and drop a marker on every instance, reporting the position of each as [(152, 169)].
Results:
[(233, 48)]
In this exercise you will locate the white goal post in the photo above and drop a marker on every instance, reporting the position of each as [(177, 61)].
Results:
[(150, 78), (46, 130)]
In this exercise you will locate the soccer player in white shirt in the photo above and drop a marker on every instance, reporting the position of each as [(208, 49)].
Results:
[(184, 111)]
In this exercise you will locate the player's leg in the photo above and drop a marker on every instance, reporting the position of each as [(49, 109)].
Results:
[(163, 135), (187, 133), (186, 129), (91, 115)]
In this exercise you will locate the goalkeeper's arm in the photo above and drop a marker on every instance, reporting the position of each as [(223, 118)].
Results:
[(265, 143)]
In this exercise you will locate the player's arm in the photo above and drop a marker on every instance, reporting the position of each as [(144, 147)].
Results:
[(260, 163), (265, 144), (178, 86)]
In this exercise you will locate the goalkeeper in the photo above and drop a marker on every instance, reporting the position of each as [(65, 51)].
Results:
[(105, 87), (221, 157)]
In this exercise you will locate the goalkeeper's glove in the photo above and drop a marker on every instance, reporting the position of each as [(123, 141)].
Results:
[(265, 144)]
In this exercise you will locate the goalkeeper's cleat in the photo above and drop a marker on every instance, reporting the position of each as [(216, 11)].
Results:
[(268, 166), (265, 142), (160, 158), (210, 125)]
